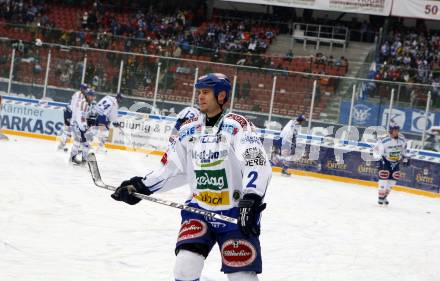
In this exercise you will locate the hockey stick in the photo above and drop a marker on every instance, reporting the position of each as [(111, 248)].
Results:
[(96, 176)]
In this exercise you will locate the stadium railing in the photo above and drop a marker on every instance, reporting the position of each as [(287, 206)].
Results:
[(267, 96)]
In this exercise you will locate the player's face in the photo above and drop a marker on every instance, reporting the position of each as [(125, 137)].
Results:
[(394, 133), (90, 98), (207, 101)]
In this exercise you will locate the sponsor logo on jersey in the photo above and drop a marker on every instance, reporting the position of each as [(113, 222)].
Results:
[(189, 131), (236, 195), (190, 120), (213, 198), (250, 140), (395, 152), (211, 139), (384, 174), (217, 224), (253, 156), (259, 161), (238, 253), (239, 119), (229, 128), (192, 229), (396, 175), (164, 159), (214, 180), (209, 158)]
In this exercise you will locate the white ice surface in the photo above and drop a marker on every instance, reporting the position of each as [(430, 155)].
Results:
[(55, 225)]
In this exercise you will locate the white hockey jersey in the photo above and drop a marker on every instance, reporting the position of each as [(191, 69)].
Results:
[(80, 110), (391, 149), (290, 131), (220, 164), (108, 106)]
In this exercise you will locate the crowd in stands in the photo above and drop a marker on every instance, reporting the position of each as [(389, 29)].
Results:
[(25, 12), (182, 33), (410, 56), (283, 19), (236, 36)]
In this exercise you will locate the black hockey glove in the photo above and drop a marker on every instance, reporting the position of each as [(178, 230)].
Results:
[(250, 208), (125, 190)]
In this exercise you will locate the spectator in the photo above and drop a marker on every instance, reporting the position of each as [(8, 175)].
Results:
[(289, 55)]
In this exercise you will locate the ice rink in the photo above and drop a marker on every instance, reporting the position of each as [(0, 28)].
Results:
[(56, 225)]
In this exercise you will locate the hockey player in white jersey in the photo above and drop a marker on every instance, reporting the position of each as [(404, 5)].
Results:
[(82, 136), (67, 114), (221, 158), (107, 114), (288, 140), (391, 150)]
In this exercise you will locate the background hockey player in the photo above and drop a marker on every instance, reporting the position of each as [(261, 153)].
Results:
[(391, 150), (107, 114), (67, 114), (82, 136), (287, 142), (222, 159)]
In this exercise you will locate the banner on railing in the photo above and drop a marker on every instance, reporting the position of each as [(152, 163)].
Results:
[(426, 9), (374, 7), (367, 114), (420, 174), (31, 118), (151, 132), (142, 131)]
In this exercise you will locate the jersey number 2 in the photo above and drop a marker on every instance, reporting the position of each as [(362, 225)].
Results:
[(253, 177)]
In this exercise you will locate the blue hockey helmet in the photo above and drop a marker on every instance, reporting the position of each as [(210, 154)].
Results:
[(83, 87), (393, 126), (217, 82), (119, 97), (90, 93), (301, 118)]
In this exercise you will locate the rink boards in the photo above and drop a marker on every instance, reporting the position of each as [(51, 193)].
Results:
[(323, 157)]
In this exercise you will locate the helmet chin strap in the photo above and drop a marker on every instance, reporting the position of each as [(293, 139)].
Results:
[(221, 105)]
